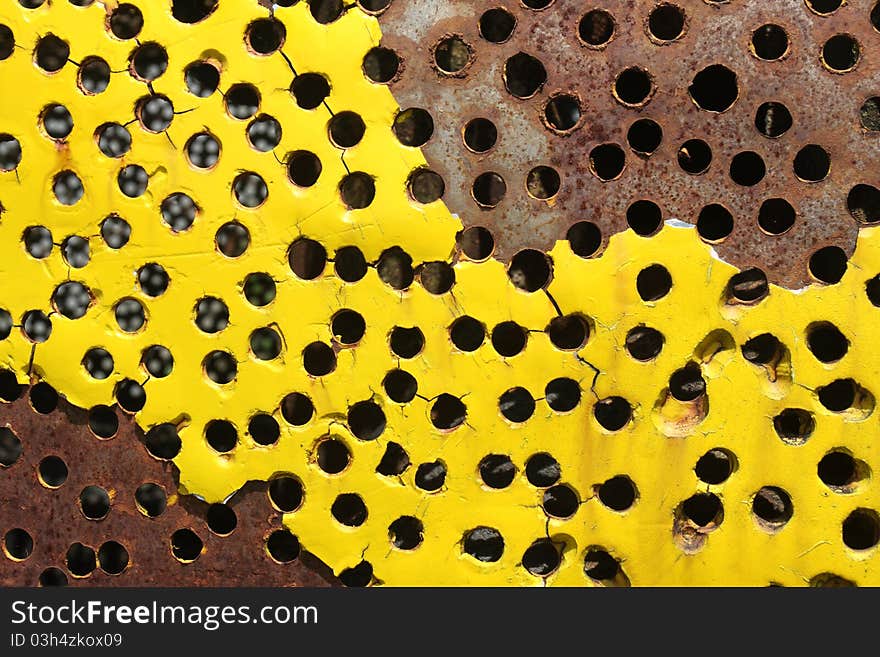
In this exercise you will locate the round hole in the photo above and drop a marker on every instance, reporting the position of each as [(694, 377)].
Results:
[(618, 493), (715, 466), (596, 28), (68, 188), (644, 217), (81, 560), (149, 61), (509, 339), (430, 477), (425, 186), (163, 442), (687, 384), (333, 456), (394, 461), (483, 544), (838, 470), (824, 7), (826, 342), (560, 502), (747, 169), (703, 509), (715, 223), (772, 507), (812, 163), (53, 577), (18, 544), (488, 189), (366, 420), (202, 79), (51, 53), (362, 574), (869, 114), (861, 529), (347, 327), (776, 216), (607, 161), (52, 471), (192, 11), (232, 239), (436, 277), (584, 238), (530, 270), (349, 509), (264, 429), (357, 190), (600, 566), (115, 231), (666, 22), (562, 113), (178, 212), (644, 343), (644, 136), (633, 87), (36, 326), (568, 332), (612, 413), (112, 557), (94, 502), (467, 334), (653, 283), (297, 409), (326, 11), (310, 90), (72, 299), (863, 202), (542, 470), (714, 89), (151, 499), (748, 286), (381, 64), (346, 129), (542, 558), (265, 35), (452, 55), (406, 533), (211, 315), (497, 25), (103, 421), (319, 359), (265, 343), (543, 183), (828, 265), (282, 546), (517, 405), (130, 395), (57, 122), (259, 289), (773, 120), (133, 180), (186, 546), (769, 42), (37, 241), (524, 75), (286, 493), (497, 471), (98, 363), (203, 150), (841, 53), (694, 156), (447, 412), (794, 426), (93, 76)]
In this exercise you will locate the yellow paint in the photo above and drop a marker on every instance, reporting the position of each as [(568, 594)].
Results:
[(742, 398)]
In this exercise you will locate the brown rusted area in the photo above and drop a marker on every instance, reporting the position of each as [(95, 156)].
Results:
[(54, 519), (825, 107)]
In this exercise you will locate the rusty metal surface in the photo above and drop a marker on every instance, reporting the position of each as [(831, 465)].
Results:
[(825, 107), (54, 518)]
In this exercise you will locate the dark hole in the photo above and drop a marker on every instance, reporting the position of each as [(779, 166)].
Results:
[(80, 560), (812, 163), (644, 136), (348, 327), (715, 223), (53, 471), (113, 557), (400, 386), (517, 404), (163, 442), (357, 190), (794, 426), (37, 241), (476, 242), (715, 466), (36, 326), (346, 129), (149, 61), (488, 189), (94, 502), (333, 456), (560, 502), (612, 413), (687, 384), (861, 529), (773, 120), (773, 505), (748, 286), (562, 394), (10, 390), (192, 11), (869, 114), (542, 470), (666, 22), (537, 4), (266, 35), (541, 558), (600, 565), (350, 264), (221, 435), (480, 134), (436, 277), (747, 169), (153, 279), (618, 493), (607, 161), (203, 150), (76, 251), (130, 395), (702, 509), (212, 315), (406, 533), (94, 75), (307, 258), (7, 42), (413, 126), (319, 359), (452, 54), (349, 509), (448, 412), (694, 156), (824, 6), (151, 499), (130, 315), (585, 238), (863, 202), (530, 270), (828, 264), (653, 283), (264, 429), (524, 75), (370, 7), (406, 342), (242, 101), (776, 216), (158, 361), (872, 289), (596, 27), (133, 180), (264, 134), (568, 332), (57, 121), (5, 324), (496, 25), (178, 211), (484, 544), (186, 546), (51, 53), (826, 342), (68, 188), (10, 447), (838, 395), (71, 299), (98, 363), (395, 268), (633, 86), (769, 42), (303, 168), (644, 343), (543, 182), (366, 420), (297, 409), (394, 461), (202, 79), (360, 575), (762, 349), (425, 186), (310, 90), (326, 11), (714, 89), (232, 239), (259, 289), (18, 543), (509, 339), (562, 113), (497, 471), (841, 52), (10, 152), (644, 217), (381, 64), (103, 421), (155, 113), (837, 469), (53, 577), (467, 333), (250, 190), (115, 231), (431, 476), (286, 493), (283, 546)]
